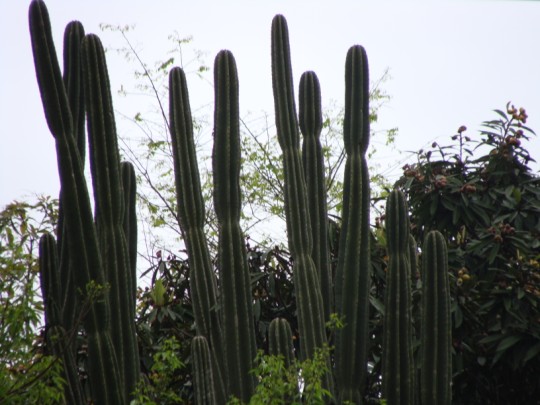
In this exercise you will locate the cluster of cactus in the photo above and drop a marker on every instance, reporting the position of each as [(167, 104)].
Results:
[(88, 274), (101, 250)]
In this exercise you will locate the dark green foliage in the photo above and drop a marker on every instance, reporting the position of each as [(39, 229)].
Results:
[(436, 348), (482, 195), (398, 365)]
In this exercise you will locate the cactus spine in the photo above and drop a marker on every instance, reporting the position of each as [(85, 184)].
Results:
[(436, 349), (353, 271), (398, 364), (238, 324), (310, 119)]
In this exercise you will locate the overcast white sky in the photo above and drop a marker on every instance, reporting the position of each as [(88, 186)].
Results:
[(451, 63)]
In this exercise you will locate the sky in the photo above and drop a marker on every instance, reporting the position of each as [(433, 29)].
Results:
[(451, 63)]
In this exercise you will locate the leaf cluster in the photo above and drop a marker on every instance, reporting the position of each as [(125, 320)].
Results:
[(481, 193)]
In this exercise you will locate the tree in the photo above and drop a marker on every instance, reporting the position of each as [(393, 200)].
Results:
[(481, 193), (28, 372)]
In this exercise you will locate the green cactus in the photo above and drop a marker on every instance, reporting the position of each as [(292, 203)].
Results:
[(280, 341), (191, 215), (204, 381), (398, 364), (310, 119), (436, 329), (110, 207), (56, 335), (353, 271), (235, 288), (73, 36), (102, 250), (129, 224), (113, 365), (306, 280)]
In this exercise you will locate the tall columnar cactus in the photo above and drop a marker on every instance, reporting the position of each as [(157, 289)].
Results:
[(436, 330), (310, 119), (104, 373), (85, 259), (191, 213), (398, 364), (235, 288), (280, 340), (72, 78), (353, 272), (306, 280), (110, 208)]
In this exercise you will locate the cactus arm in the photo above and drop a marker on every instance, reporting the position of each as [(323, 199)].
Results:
[(191, 214), (236, 297), (129, 224), (398, 366), (436, 349), (73, 35), (310, 119), (353, 271)]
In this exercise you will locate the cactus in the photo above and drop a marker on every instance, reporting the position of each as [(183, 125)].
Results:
[(102, 249), (113, 364), (306, 279), (436, 330), (109, 208), (205, 388), (56, 338), (191, 216), (398, 364), (129, 225), (353, 270), (310, 119), (72, 78), (238, 324), (280, 340)]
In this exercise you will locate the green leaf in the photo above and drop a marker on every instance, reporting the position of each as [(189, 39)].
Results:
[(508, 342), (531, 353)]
